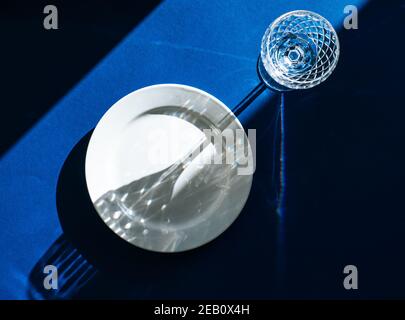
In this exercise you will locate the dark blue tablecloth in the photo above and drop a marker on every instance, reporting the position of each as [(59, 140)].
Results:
[(212, 45)]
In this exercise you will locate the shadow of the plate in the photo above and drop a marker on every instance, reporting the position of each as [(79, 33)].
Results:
[(92, 259)]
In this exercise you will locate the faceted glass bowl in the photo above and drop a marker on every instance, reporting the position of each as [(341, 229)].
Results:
[(299, 50)]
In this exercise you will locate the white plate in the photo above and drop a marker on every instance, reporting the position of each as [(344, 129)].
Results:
[(137, 141)]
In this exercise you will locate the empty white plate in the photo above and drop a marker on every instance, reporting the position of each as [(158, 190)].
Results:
[(139, 183)]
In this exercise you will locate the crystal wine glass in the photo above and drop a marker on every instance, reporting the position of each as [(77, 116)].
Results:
[(299, 50)]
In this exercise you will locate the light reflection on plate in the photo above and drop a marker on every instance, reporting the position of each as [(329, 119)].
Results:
[(134, 179)]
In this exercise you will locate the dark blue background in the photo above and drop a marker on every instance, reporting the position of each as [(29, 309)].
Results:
[(344, 158)]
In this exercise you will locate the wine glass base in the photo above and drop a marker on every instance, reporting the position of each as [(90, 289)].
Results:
[(267, 80)]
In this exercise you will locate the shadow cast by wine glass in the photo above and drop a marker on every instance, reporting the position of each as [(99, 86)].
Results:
[(91, 259), (71, 272)]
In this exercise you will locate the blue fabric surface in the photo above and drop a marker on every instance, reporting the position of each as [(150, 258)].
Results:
[(212, 45)]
